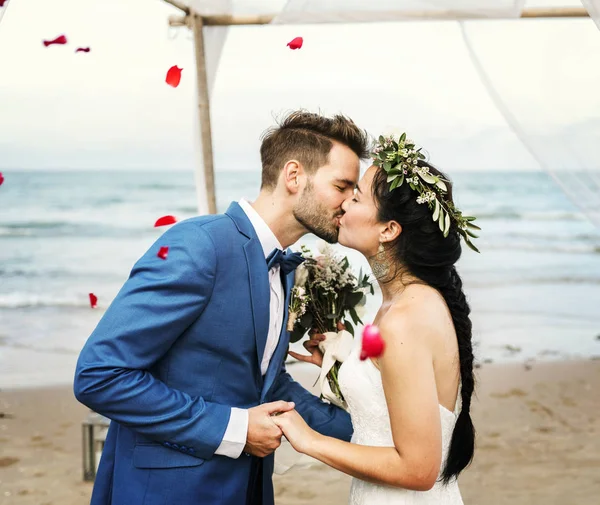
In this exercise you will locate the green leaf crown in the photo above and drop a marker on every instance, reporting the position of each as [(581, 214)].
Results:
[(400, 159)]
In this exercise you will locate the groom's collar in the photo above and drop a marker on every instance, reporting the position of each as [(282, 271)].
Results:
[(265, 235)]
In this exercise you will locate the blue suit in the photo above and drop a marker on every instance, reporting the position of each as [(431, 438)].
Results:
[(179, 346)]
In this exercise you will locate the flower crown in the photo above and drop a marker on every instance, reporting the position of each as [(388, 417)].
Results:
[(399, 158)]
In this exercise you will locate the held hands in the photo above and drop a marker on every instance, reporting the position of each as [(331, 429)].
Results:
[(295, 429), (264, 436)]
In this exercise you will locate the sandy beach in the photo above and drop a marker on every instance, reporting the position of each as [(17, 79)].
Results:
[(538, 443)]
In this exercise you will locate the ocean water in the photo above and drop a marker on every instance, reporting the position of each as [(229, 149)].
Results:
[(534, 290)]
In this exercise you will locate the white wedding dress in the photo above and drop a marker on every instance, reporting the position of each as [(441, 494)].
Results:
[(361, 385)]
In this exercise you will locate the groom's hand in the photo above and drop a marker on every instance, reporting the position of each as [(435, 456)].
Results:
[(264, 436)]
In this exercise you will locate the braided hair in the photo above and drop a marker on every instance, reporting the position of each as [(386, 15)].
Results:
[(424, 252)]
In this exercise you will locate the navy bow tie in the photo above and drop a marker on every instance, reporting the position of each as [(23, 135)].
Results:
[(287, 262)]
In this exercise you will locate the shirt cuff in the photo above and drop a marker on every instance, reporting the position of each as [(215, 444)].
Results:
[(234, 440)]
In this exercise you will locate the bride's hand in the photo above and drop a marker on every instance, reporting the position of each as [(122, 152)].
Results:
[(312, 346), (295, 429)]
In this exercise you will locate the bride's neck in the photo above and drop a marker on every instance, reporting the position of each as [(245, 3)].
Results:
[(394, 283)]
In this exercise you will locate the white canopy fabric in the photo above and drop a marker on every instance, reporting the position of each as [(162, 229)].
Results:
[(537, 121), (346, 11), (593, 8), (549, 108), (3, 9)]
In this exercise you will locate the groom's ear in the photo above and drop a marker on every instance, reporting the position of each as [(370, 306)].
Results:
[(391, 232), (291, 173)]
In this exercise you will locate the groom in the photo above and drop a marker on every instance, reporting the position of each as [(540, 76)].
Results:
[(188, 361)]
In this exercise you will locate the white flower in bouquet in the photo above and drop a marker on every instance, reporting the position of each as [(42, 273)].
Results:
[(301, 276)]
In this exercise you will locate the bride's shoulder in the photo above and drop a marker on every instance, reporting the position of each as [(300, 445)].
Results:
[(420, 311), (420, 300)]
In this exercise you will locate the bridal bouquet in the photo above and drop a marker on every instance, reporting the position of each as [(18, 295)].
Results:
[(324, 300)]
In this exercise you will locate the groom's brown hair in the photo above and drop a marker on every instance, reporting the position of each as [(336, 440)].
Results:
[(308, 138)]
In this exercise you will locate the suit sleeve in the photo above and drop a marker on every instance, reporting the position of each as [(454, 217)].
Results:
[(158, 302)]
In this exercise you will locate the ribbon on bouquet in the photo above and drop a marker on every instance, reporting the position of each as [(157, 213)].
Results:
[(337, 346)]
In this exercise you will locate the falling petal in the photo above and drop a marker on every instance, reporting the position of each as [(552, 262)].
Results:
[(82, 50), (1, 178), (163, 252), (372, 343), (295, 43), (165, 221), (174, 76), (61, 40), (93, 300)]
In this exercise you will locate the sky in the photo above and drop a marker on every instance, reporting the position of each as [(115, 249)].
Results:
[(111, 109)]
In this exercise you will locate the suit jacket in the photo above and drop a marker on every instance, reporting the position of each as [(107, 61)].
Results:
[(180, 345)]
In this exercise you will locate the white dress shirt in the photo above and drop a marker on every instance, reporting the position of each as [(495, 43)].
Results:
[(234, 440)]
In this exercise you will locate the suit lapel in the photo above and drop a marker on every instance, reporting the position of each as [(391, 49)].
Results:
[(279, 354), (258, 277)]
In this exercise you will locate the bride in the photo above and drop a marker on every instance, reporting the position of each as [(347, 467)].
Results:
[(413, 433)]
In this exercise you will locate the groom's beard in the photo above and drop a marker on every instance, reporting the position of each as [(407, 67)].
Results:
[(316, 218)]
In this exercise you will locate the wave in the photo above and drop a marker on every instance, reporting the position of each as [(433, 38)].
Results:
[(32, 300), (160, 186), (67, 229), (555, 247), (187, 210), (503, 215), (476, 282), (5, 342)]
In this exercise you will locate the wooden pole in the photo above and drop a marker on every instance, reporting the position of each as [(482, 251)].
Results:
[(204, 117), (556, 12), (531, 13), (205, 177)]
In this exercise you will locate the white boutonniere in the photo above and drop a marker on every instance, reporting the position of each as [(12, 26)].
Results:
[(298, 297)]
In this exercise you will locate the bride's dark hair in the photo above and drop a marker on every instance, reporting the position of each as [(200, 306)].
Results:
[(423, 251)]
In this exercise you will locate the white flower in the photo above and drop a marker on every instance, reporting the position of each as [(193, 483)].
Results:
[(301, 277), (415, 162)]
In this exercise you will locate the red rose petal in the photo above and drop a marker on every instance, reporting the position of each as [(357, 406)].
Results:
[(2, 2), (93, 300), (372, 343), (58, 40), (82, 50), (165, 221), (174, 76), (163, 252), (295, 43), (1, 178)]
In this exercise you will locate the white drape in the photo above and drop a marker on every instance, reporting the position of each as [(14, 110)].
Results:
[(535, 110), (558, 124), (344, 11), (593, 8), (3, 9), (348, 11)]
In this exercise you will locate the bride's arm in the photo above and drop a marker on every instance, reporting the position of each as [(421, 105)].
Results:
[(411, 394)]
